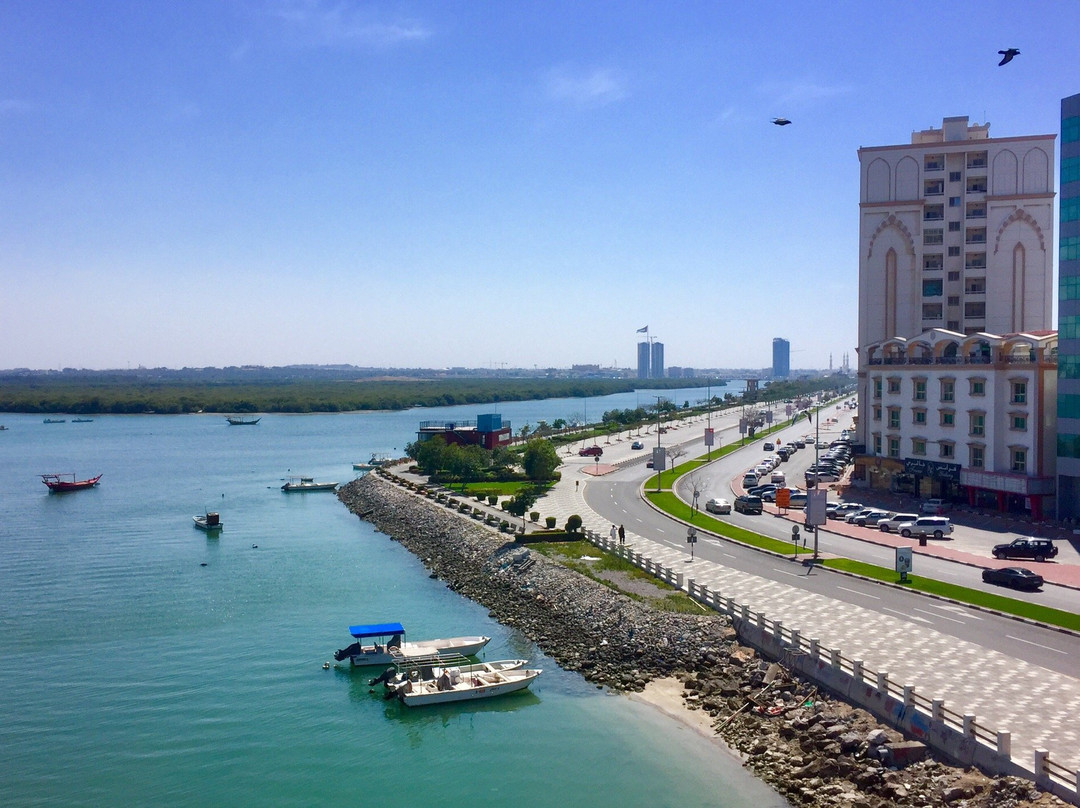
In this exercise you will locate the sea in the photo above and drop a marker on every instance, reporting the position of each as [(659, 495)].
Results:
[(144, 662)]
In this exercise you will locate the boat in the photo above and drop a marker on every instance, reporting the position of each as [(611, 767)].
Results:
[(3, 428), (390, 648), (375, 462), (61, 483), (211, 522), (55, 421), (82, 420), (440, 679), (307, 484), (242, 420)]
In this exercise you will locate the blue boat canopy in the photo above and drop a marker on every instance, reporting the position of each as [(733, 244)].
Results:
[(376, 630)]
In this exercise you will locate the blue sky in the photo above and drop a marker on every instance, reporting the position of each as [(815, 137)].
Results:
[(479, 184)]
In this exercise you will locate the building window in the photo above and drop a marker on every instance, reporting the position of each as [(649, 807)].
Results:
[(877, 412), (894, 417), (894, 447), (877, 387), (932, 262), (954, 325), (955, 176), (946, 449), (976, 159), (975, 235), (954, 227), (918, 388), (976, 210), (894, 385), (935, 187), (974, 260), (975, 286), (977, 387), (977, 424), (1019, 393), (933, 213), (954, 201), (1018, 422), (933, 235), (1019, 460), (948, 390), (976, 457), (877, 444), (954, 300), (954, 252), (918, 446), (975, 310), (934, 162), (918, 416), (976, 185), (954, 276), (931, 311), (932, 288), (948, 417)]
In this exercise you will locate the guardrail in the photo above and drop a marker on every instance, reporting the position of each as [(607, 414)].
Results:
[(959, 736)]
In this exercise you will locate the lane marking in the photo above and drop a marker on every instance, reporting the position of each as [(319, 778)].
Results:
[(905, 615), (788, 572), (857, 592), (955, 610), (1037, 644), (940, 616)]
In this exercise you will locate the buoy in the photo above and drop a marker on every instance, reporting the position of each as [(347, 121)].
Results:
[(203, 564), (254, 547), (326, 666)]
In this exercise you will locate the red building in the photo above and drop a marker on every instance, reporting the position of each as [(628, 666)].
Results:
[(487, 430)]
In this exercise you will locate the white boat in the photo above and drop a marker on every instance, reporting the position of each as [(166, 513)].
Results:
[(440, 684), (388, 646), (210, 522), (307, 484), (375, 462)]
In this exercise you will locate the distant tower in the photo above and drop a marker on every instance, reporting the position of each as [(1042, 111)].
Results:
[(781, 358), (643, 360), (657, 368)]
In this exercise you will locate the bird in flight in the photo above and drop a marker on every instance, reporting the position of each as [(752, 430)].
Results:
[(1007, 56), (781, 121)]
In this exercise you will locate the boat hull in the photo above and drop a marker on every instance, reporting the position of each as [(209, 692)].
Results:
[(62, 486), (202, 524), (466, 646), (427, 693)]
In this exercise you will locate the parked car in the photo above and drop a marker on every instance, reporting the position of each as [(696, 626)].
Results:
[(891, 523), (748, 504), (718, 506), (1016, 577), (769, 447), (870, 518), (1035, 549), (800, 443), (936, 526), (637, 445), (750, 479), (784, 453), (778, 477), (590, 451), (798, 499), (851, 516), (821, 476), (932, 507), (843, 509), (759, 490)]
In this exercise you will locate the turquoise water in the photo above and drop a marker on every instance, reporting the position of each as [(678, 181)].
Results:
[(131, 674)]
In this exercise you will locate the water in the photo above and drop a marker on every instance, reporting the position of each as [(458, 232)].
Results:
[(130, 674)]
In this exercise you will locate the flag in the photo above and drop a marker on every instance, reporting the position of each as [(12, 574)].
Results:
[(643, 330)]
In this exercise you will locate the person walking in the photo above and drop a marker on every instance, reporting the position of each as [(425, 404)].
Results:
[(614, 533), (622, 535)]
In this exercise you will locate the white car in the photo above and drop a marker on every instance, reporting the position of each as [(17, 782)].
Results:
[(893, 522), (718, 506), (924, 526), (870, 518)]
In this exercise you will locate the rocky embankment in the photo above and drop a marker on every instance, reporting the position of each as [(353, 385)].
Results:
[(815, 750)]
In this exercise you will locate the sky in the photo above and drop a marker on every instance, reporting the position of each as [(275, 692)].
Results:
[(482, 184)]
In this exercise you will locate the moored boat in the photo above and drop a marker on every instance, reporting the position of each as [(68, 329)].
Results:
[(388, 646), (61, 482), (242, 420), (211, 522), (375, 462), (82, 420), (307, 484), (55, 421), (440, 680)]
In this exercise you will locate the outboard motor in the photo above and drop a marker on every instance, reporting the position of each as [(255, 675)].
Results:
[(345, 653), (385, 676)]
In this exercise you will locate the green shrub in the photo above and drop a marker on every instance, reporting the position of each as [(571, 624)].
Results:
[(550, 522), (504, 526), (573, 524), (492, 499), (534, 516)]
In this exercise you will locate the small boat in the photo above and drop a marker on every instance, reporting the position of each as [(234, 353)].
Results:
[(3, 428), (307, 484), (389, 646), (242, 420), (55, 421), (211, 522), (440, 680), (82, 420), (61, 483), (375, 462)]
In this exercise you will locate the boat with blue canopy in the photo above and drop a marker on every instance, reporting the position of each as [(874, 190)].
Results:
[(388, 645)]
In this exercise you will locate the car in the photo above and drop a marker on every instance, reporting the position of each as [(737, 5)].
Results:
[(851, 516), (748, 504), (924, 526), (843, 509), (778, 477), (637, 445), (798, 499), (821, 476), (1035, 549), (759, 490), (800, 443), (718, 506), (870, 518), (932, 507), (1016, 577), (891, 523), (769, 447), (750, 479), (590, 451)]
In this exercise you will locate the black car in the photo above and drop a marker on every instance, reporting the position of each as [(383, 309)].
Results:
[(748, 504), (1016, 577), (758, 490), (1035, 549)]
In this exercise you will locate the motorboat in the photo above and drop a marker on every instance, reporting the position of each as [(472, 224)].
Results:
[(307, 484), (55, 421), (67, 482), (375, 462), (210, 522), (242, 420), (441, 679), (389, 647), (82, 420)]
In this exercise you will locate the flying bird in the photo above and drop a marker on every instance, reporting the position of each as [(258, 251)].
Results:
[(781, 121), (1007, 56)]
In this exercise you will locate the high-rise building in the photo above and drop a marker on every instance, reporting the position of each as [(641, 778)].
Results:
[(956, 231), (1068, 403), (781, 358), (643, 360), (656, 370)]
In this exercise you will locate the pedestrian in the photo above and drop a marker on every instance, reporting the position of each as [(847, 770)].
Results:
[(622, 535), (614, 533), (577, 483)]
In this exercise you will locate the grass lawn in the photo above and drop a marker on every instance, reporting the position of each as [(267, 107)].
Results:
[(504, 489)]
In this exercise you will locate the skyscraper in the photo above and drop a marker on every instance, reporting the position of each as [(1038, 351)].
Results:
[(1068, 403), (643, 360), (656, 371), (781, 358)]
